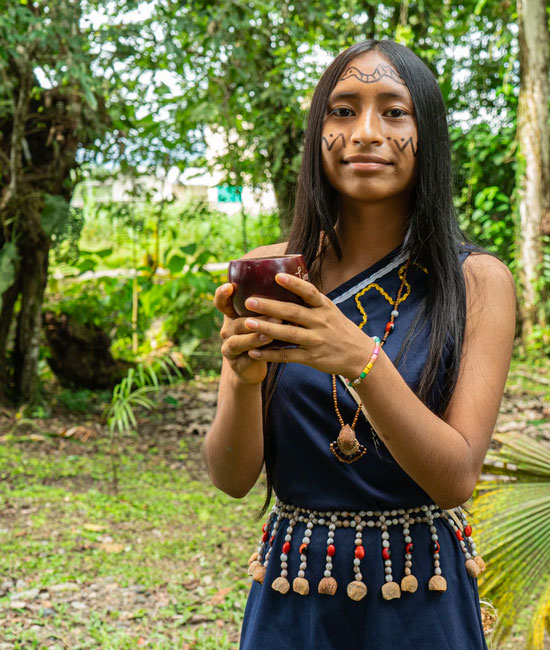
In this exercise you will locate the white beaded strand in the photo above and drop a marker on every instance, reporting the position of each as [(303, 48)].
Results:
[(409, 583), (390, 589), (437, 581), (301, 584), (357, 589), (328, 584)]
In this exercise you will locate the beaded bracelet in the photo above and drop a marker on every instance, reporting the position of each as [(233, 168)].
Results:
[(369, 365)]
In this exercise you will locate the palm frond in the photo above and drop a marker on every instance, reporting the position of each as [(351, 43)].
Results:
[(519, 456), (512, 517), (540, 621)]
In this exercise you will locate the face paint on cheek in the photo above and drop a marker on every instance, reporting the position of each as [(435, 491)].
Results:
[(330, 140), (403, 144)]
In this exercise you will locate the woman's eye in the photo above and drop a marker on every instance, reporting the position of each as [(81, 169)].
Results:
[(341, 111), (396, 112)]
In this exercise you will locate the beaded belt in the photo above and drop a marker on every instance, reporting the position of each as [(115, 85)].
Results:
[(358, 521)]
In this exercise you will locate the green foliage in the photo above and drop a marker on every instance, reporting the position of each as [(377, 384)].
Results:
[(514, 528), (134, 391), (248, 70), (131, 392), (9, 258), (80, 401), (104, 302), (486, 173), (185, 300)]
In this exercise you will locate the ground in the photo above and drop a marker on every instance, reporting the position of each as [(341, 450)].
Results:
[(157, 561)]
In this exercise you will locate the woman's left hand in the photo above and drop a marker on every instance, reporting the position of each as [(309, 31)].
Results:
[(326, 339)]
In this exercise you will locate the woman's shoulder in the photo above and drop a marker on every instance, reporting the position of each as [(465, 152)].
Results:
[(489, 282), (486, 267), (267, 251)]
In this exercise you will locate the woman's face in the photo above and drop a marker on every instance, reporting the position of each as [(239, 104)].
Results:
[(370, 138)]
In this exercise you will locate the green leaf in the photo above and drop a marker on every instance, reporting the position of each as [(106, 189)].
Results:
[(9, 258), (176, 263), (55, 214), (513, 525)]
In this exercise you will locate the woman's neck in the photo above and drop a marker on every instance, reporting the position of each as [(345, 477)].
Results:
[(367, 233)]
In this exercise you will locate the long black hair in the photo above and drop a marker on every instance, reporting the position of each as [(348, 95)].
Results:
[(432, 237)]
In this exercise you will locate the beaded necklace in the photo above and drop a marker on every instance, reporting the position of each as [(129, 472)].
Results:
[(346, 448)]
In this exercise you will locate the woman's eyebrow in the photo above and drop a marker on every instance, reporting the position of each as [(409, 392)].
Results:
[(382, 95), (343, 95)]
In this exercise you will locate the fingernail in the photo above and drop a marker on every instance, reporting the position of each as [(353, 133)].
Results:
[(282, 278), (251, 323), (255, 354), (226, 289), (251, 303), (263, 337)]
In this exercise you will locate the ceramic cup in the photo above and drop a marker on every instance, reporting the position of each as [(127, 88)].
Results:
[(255, 276)]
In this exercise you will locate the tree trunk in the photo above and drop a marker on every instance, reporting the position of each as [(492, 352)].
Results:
[(29, 320), (533, 138), (9, 299)]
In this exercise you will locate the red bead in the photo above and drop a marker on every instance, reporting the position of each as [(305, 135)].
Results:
[(459, 535), (331, 550), (359, 552), (303, 549), (409, 547), (386, 553), (286, 547), (389, 327), (271, 540), (264, 528), (467, 530), (265, 537)]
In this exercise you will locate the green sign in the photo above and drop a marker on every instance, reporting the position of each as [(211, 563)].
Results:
[(229, 193)]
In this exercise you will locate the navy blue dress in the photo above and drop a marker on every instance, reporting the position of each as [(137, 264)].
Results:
[(303, 424)]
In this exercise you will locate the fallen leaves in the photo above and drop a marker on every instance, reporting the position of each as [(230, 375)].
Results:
[(219, 596), (79, 432), (111, 547)]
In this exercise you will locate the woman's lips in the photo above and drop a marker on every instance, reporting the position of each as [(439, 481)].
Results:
[(366, 162)]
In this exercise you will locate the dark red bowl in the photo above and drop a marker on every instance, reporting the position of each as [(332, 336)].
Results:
[(255, 276)]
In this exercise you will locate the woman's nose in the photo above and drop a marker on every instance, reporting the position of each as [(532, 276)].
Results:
[(367, 129)]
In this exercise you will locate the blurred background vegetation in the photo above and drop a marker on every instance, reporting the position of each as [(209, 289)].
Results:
[(145, 144)]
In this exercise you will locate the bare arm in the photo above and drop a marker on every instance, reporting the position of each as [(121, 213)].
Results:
[(443, 455), (233, 449)]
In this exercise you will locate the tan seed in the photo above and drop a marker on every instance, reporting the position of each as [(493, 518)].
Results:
[(259, 573), (391, 590), (357, 590), (347, 442), (437, 583), (253, 566), (409, 584), (281, 584), (301, 586), (328, 586), (472, 568)]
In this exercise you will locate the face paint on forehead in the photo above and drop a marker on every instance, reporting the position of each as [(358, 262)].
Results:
[(370, 78)]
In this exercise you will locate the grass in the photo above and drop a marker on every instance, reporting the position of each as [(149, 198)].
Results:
[(160, 565), (169, 533)]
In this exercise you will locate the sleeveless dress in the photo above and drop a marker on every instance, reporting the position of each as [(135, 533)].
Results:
[(306, 474)]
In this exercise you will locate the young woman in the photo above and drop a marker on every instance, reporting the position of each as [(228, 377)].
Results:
[(366, 545)]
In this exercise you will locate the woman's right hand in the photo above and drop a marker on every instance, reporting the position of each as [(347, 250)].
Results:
[(238, 339)]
